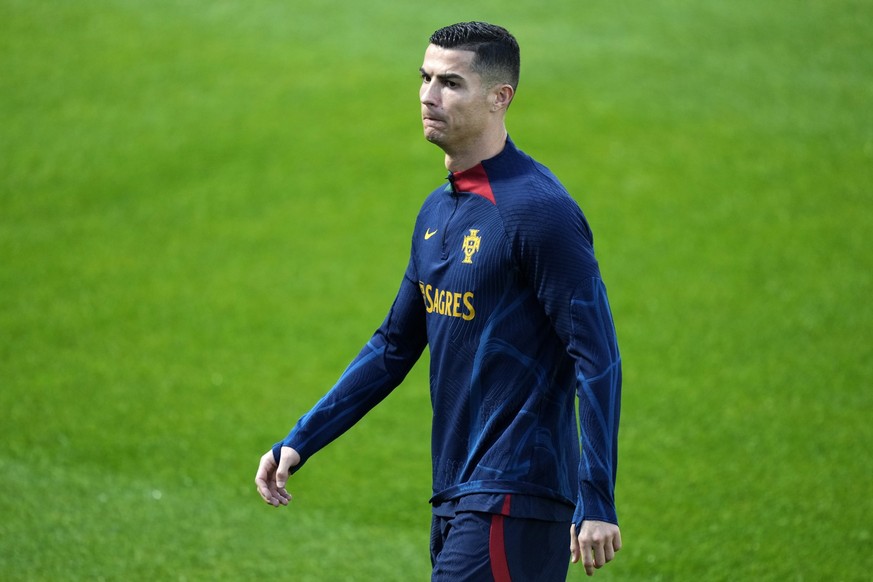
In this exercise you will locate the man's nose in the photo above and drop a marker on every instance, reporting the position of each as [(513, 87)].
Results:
[(428, 94)]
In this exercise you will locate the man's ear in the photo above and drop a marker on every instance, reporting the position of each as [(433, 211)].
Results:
[(501, 97)]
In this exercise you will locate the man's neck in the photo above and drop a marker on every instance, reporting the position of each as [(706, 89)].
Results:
[(487, 148)]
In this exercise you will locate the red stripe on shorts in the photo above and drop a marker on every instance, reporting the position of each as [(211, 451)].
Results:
[(497, 545)]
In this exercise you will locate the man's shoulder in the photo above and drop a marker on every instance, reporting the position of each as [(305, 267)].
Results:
[(532, 201), (435, 196), (520, 181), (535, 191)]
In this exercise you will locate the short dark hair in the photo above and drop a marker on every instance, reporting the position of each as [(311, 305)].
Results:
[(498, 58)]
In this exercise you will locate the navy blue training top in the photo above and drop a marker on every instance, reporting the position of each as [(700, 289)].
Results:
[(503, 286)]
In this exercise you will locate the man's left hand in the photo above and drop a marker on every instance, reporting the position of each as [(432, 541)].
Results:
[(596, 544)]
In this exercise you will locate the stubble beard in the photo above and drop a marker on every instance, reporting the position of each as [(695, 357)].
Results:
[(435, 137)]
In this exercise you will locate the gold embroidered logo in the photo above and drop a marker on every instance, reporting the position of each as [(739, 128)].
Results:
[(445, 302), (471, 245), (429, 234)]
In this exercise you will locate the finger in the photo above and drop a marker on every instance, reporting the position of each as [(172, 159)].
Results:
[(608, 552), (280, 494), (587, 558), (574, 544), (288, 459), (264, 479), (282, 473), (599, 554), (612, 545)]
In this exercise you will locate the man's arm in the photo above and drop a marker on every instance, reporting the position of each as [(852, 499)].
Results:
[(598, 366), (598, 371), (557, 254), (381, 366)]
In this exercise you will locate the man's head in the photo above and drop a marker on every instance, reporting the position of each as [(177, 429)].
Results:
[(497, 57), (468, 81)]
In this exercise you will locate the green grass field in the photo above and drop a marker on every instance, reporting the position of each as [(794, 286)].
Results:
[(205, 211)]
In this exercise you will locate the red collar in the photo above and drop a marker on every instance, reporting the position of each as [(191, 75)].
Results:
[(475, 181)]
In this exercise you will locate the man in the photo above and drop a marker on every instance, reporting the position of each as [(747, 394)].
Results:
[(503, 286)]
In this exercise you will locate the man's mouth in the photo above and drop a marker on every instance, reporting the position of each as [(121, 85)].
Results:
[(428, 117)]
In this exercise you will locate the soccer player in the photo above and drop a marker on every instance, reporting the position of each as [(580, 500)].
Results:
[(503, 287)]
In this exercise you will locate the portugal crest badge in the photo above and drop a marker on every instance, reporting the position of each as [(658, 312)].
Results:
[(471, 245)]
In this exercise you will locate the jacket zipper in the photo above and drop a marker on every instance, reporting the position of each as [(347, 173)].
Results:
[(445, 254)]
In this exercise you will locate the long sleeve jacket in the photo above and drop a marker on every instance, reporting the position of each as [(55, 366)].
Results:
[(504, 289)]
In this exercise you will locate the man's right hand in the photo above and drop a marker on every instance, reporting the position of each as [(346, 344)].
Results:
[(272, 477)]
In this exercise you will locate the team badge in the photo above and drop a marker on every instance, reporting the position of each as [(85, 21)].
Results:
[(471, 245)]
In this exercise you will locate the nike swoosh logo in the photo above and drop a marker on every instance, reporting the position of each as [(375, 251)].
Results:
[(429, 234)]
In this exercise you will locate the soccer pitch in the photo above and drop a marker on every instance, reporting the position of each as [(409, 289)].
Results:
[(205, 211)]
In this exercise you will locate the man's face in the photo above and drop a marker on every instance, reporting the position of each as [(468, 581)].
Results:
[(455, 106)]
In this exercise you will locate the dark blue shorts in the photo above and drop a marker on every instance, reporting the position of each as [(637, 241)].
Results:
[(473, 546)]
